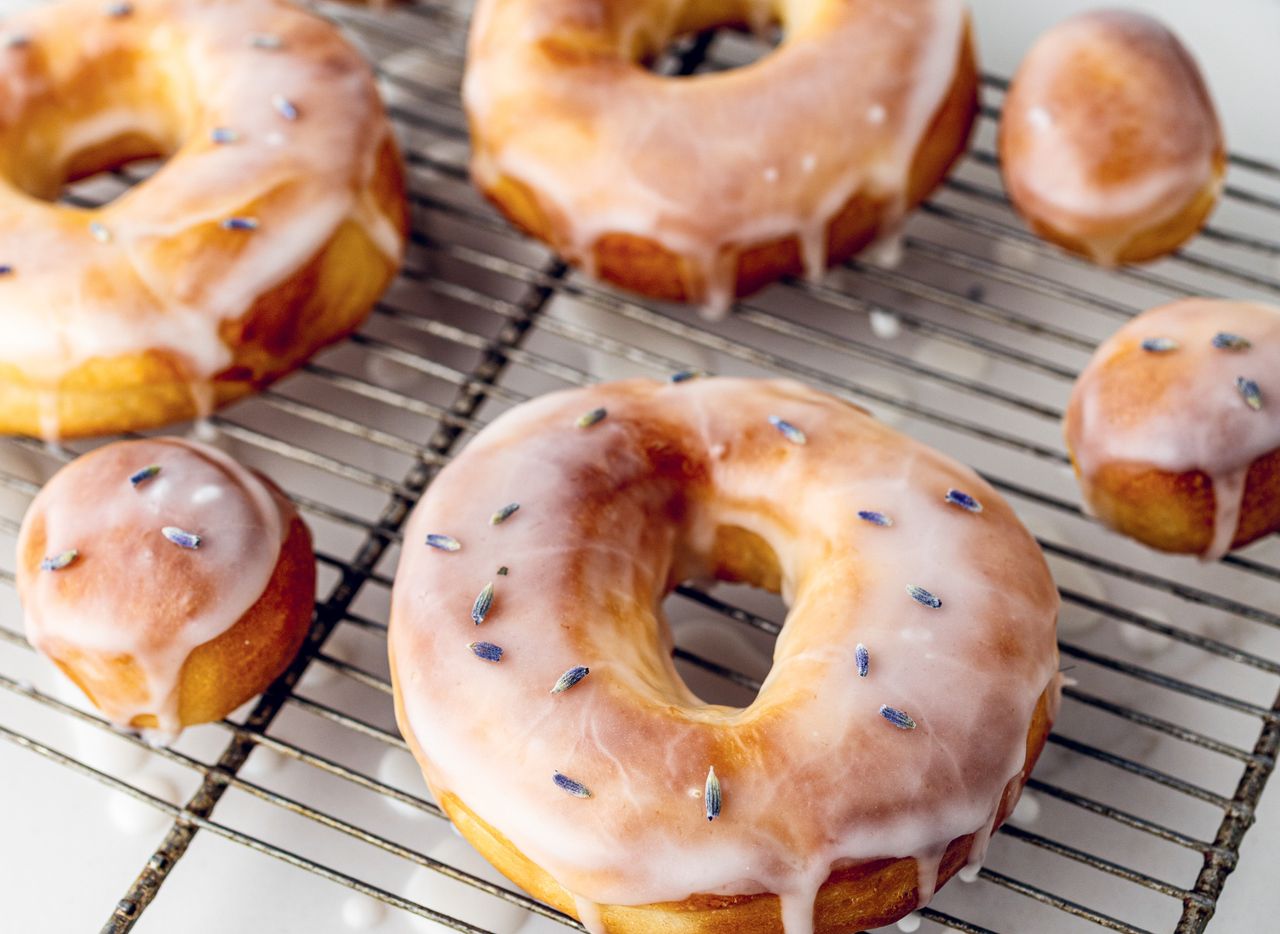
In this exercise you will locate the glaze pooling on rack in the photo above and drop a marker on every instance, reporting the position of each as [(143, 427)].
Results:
[(170, 278), (1180, 410), (707, 165), (133, 592), (1109, 130), (673, 470)]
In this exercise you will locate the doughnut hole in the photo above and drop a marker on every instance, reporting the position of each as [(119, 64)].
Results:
[(224, 672), (112, 108)]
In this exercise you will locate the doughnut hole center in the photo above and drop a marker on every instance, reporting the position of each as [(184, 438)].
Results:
[(117, 110), (721, 659), (720, 35)]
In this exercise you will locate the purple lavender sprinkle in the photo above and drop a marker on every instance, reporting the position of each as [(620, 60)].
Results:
[(1160, 345), (239, 223), (570, 678), (923, 597), (875, 518), (863, 660), (565, 783), (963, 500), (59, 561), (1250, 392), (223, 135), (118, 10), (503, 514), (6, 269), (443, 542), (486, 650), (685, 375), (591, 418), (143, 475), (284, 107), (480, 609), (1225, 340), (789, 431), (180, 537), (897, 717), (712, 795)]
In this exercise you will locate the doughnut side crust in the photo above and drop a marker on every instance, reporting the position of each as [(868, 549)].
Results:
[(866, 895)]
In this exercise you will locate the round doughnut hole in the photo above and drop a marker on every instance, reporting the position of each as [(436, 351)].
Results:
[(119, 113), (721, 659), (712, 37)]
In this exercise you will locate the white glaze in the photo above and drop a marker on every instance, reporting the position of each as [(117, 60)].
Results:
[(1108, 130), (590, 556), (710, 164), (1181, 411), (71, 298), (131, 591)]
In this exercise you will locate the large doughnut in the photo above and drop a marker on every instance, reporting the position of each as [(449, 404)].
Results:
[(834, 817), (1109, 141), (702, 188), (1174, 426), (169, 582), (275, 224)]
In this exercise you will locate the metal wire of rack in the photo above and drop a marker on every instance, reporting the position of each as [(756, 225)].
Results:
[(1166, 739)]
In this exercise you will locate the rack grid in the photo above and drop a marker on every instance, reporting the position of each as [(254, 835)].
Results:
[(970, 343)]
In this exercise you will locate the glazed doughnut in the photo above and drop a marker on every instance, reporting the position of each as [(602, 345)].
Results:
[(1174, 426), (1109, 143), (552, 727), (275, 224), (167, 581), (699, 189)]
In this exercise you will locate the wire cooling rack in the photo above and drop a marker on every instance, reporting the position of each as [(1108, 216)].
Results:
[(1133, 820)]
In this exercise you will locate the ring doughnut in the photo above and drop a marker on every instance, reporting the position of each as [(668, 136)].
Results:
[(275, 224), (1174, 426), (1109, 142), (167, 581), (702, 188), (541, 700)]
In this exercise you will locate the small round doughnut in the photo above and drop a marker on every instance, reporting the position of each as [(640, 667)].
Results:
[(166, 580), (271, 230), (1174, 426), (913, 684), (702, 188), (1109, 142)]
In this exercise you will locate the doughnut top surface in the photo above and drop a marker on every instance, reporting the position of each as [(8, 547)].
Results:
[(137, 585), (1108, 128), (1177, 403), (765, 482), (271, 122), (559, 100)]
